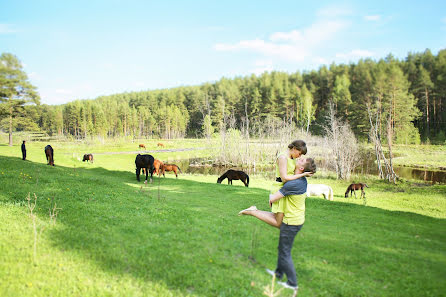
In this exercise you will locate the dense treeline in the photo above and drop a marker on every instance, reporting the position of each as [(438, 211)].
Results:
[(408, 96)]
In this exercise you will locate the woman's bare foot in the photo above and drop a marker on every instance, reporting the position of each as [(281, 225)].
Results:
[(248, 210)]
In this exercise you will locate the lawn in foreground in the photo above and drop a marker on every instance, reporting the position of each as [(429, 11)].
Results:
[(179, 237)]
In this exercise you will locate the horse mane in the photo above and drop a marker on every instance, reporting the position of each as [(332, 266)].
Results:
[(348, 189)]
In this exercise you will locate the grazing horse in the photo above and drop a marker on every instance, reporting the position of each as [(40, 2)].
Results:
[(159, 167), (88, 157), (160, 144), (142, 146), (320, 189), (172, 167), (234, 174), (354, 187), (146, 162), (49, 153)]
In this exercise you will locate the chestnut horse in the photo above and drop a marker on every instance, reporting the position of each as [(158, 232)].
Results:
[(88, 157), (160, 144), (354, 187), (142, 146), (172, 167), (234, 175), (159, 167), (49, 153)]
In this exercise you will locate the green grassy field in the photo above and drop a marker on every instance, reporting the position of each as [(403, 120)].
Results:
[(419, 156), (114, 236)]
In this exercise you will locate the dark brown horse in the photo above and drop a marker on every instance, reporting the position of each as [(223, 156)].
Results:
[(146, 162), (234, 175), (354, 187), (49, 153), (88, 157), (171, 167)]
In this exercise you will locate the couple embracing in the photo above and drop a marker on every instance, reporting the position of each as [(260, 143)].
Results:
[(287, 201)]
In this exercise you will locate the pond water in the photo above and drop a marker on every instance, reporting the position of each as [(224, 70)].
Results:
[(203, 166)]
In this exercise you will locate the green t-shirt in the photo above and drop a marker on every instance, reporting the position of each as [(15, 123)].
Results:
[(293, 206)]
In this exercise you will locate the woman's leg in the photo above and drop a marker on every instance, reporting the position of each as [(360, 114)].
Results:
[(273, 219)]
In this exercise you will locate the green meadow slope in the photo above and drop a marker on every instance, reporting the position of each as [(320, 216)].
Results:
[(113, 236)]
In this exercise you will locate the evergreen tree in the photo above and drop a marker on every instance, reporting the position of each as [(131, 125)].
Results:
[(15, 92)]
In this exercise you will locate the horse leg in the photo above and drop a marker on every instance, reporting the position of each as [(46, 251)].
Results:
[(138, 172), (147, 175), (151, 174)]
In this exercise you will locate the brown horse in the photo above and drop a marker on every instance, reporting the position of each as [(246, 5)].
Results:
[(159, 167), (142, 146), (354, 187), (49, 153), (234, 175), (172, 167), (88, 157), (160, 144)]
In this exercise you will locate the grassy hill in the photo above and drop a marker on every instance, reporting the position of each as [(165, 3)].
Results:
[(113, 236)]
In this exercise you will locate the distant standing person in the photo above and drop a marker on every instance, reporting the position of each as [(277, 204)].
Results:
[(23, 150)]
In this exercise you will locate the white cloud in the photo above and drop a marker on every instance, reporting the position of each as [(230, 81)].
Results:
[(372, 18), (6, 29), (295, 45), (63, 91), (140, 84), (355, 54), (262, 66)]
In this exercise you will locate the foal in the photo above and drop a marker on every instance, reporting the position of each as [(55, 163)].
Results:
[(354, 187), (172, 167)]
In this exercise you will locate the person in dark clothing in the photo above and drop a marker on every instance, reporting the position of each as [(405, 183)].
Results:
[(23, 150)]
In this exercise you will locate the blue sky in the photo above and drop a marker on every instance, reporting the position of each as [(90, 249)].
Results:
[(84, 49)]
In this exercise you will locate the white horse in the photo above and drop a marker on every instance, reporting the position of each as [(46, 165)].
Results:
[(319, 189)]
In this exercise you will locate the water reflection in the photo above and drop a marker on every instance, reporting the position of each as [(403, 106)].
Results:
[(203, 166)]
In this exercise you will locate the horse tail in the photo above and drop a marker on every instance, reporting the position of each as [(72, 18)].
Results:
[(366, 185), (331, 193), (179, 169), (247, 179)]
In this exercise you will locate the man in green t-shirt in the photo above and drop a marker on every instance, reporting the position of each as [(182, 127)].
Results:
[(293, 209)]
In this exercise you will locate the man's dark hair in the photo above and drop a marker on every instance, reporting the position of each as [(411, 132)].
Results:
[(299, 145), (310, 166)]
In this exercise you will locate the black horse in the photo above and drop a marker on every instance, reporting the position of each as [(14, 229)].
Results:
[(49, 153), (88, 157), (146, 162), (234, 174)]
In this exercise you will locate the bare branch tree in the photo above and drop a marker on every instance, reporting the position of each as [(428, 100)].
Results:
[(343, 144), (381, 160)]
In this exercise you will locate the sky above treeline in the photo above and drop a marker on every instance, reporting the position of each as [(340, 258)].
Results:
[(85, 49)]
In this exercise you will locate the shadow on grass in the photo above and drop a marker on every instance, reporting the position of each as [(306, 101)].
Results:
[(186, 235)]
